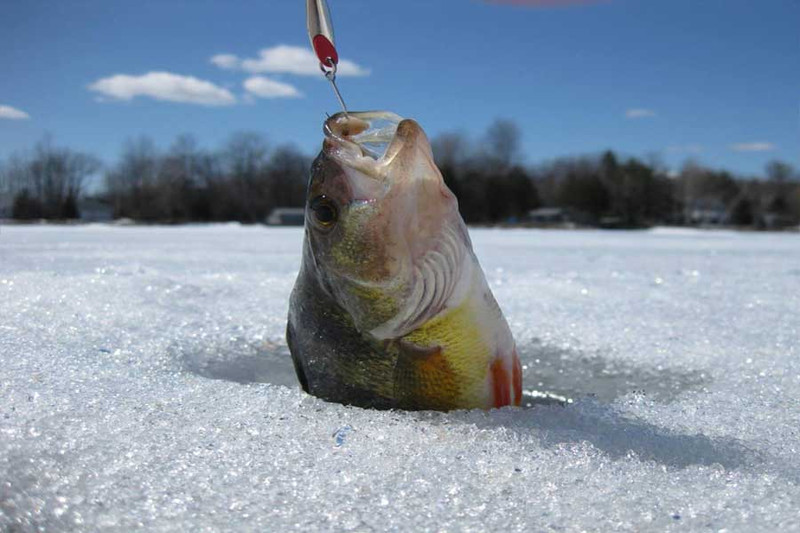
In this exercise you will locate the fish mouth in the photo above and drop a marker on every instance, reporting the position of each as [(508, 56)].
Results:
[(368, 140)]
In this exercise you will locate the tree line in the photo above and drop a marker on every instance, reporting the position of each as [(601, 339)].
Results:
[(246, 178), (242, 182), (607, 190)]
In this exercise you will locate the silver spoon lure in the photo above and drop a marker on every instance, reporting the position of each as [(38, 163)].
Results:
[(320, 33)]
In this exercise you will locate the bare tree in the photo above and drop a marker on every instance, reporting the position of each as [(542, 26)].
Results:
[(503, 140), (780, 172), (245, 162), (48, 182), (132, 184), (781, 199), (450, 149), (287, 175)]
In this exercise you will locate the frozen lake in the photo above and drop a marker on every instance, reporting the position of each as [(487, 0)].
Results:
[(145, 384)]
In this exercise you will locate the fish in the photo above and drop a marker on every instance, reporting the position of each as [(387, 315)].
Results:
[(390, 308)]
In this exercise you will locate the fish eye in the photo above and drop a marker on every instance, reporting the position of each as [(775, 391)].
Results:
[(324, 210)]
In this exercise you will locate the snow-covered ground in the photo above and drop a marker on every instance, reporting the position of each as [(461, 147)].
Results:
[(145, 384)]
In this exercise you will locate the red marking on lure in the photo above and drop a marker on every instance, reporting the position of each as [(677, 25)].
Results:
[(326, 52), (516, 378), (501, 384)]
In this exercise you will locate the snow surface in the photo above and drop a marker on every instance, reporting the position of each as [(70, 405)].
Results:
[(145, 384)]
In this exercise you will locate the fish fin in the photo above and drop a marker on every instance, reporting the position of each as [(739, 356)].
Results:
[(424, 379), (416, 351), (501, 384), (516, 377), (506, 382)]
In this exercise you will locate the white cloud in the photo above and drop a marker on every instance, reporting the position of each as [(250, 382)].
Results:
[(639, 113), (226, 61), (11, 113), (164, 86), (298, 60), (267, 88), (753, 147), (686, 148)]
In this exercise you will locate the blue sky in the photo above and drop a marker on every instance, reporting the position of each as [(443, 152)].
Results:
[(715, 80)]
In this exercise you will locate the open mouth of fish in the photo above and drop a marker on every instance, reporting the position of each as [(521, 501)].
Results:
[(368, 140)]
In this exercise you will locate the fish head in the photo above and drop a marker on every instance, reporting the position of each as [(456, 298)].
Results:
[(383, 230)]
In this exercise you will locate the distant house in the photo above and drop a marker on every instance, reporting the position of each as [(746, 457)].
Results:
[(95, 210), (612, 222), (547, 216), (286, 216), (776, 220), (776, 212), (707, 212)]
